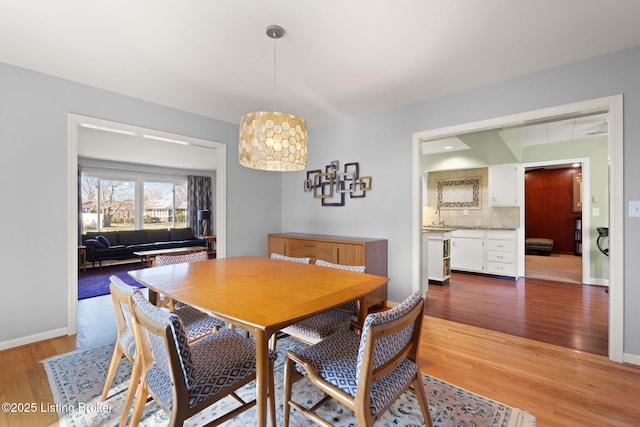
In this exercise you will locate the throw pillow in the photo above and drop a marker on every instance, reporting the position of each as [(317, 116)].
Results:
[(105, 242), (93, 242)]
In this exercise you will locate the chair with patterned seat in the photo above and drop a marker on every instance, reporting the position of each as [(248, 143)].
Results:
[(352, 306), (367, 373), (197, 324), (301, 260), (161, 260), (317, 327), (185, 378), (177, 259)]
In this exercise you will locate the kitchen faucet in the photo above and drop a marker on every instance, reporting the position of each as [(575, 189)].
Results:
[(440, 222)]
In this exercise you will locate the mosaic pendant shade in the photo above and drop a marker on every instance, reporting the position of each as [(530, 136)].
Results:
[(273, 141)]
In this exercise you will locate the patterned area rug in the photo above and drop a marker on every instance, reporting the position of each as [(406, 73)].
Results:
[(77, 378)]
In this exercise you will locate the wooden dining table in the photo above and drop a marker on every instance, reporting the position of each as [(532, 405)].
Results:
[(262, 296)]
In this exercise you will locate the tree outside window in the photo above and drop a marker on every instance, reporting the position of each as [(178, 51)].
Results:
[(110, 204)]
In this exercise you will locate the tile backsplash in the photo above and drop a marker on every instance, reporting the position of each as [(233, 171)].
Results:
[(484, 216)]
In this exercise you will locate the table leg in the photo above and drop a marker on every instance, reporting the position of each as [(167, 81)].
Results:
[(262, 376), (153, 297)]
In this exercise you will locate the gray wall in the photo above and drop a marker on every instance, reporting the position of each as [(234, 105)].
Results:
[(34, 170), (33, 165), (382, 145)]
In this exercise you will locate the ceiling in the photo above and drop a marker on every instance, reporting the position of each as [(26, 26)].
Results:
[(337, 60), (577, 128)]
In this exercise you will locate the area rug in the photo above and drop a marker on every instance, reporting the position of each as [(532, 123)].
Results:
[(95, 281), (77, 379)]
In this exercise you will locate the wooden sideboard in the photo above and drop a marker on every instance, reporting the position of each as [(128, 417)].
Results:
[(369, 252)]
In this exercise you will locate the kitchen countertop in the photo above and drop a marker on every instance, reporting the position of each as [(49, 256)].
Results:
[(444, 228)]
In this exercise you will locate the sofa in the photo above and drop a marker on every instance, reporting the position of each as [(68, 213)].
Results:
[(119, 245)]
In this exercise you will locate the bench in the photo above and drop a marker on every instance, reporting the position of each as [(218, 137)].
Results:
[(538, 246)]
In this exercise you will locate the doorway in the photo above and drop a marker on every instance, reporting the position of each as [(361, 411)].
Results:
[(610, 105), (570, 260), (218, 164)]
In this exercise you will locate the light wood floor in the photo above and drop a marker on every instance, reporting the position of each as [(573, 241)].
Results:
[(561, 387), (558, 267)]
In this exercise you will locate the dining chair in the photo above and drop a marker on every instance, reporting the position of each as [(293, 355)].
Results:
[(185, 378), (164, 301), (197, 325), (353, 305), (367, 373), (302, 260), (317, 327)]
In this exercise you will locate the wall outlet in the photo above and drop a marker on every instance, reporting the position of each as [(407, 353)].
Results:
[(465, 212), (634, 208)]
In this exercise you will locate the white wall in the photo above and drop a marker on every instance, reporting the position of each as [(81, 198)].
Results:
[(382, 145), (34, 112)]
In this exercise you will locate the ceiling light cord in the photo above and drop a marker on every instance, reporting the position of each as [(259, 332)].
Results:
[(274, 72)]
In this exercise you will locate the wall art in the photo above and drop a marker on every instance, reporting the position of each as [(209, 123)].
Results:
[(333, 184), (459, 193)]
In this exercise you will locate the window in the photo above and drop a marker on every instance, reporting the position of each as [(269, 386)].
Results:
[(165, 205), (110, 203)]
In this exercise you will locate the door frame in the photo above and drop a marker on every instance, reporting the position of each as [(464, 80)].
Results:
[(219, 163), (613, 105)]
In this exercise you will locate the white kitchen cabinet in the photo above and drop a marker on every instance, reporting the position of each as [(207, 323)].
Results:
[(468, 250), (501, 252), (484, 251), (503, 185)]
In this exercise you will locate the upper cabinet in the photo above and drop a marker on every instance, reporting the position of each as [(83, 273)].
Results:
[(503, 185)]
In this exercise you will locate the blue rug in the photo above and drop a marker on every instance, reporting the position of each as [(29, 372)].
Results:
[(95, 281)]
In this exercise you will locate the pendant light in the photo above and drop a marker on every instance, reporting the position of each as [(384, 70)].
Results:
[(271, 140)]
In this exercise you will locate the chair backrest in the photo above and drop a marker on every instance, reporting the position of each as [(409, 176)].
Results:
[(388, 339), (163, 344), (354, 268), (178, 259), (121, 293), (305, 260)]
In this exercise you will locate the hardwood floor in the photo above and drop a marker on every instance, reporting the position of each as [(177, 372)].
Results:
[(558, 267), (570, 315), (561, 387)]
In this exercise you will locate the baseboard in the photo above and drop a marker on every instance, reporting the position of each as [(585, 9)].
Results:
[(599, 282), (633, 359), (30, 339)]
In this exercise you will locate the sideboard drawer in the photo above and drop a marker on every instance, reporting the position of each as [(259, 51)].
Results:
[(313, 249)]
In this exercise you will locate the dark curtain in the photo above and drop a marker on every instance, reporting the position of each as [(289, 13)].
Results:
[(199, 188)]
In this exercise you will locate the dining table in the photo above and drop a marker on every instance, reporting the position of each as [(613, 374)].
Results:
[(262, 296)]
